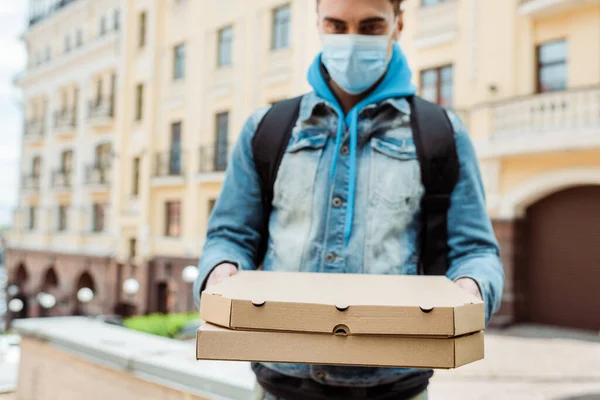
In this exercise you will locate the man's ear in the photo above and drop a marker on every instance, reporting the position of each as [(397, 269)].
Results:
[(399, 25)]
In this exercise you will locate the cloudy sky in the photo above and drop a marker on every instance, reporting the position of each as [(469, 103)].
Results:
[(12, 61)]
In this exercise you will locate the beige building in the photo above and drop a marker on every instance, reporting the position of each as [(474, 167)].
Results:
[(63, 236), (523, 74)]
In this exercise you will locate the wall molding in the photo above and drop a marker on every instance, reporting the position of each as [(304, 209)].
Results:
[(514, 203)]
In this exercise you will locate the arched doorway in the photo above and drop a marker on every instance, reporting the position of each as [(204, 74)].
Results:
[(20, 280), (563, 259), (50, 285), (82, 304)]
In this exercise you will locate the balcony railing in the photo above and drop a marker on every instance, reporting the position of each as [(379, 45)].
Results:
[(214, 158), (31, 183), (62, 179), (45, 9), (34, 129), (169, 164), (65, 121), (571, 113), (100, 112), (546, 7), (97, 174)]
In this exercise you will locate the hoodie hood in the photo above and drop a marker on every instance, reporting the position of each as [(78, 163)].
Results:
[(397, 82)]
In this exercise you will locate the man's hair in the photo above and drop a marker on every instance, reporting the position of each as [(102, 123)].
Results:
[(396, 3)]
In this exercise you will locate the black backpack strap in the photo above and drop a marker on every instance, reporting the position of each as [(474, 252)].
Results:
[(436, 149), (268, 147)]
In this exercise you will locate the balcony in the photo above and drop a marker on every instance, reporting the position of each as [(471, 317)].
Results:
[(168, 168), (437, 24), (62, 180), (542, 8), (568, 120), (65, 122), (101, 113), (97, 175), (34, 130), (31, 183), (213, 161), (48, 9)]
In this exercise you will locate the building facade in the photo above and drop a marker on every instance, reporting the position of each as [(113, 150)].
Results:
[(181, 77)]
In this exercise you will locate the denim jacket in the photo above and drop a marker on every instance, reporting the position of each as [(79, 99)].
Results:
[(307, 223)]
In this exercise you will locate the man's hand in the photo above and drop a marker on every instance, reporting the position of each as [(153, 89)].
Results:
[(470, 286), (220, 273)]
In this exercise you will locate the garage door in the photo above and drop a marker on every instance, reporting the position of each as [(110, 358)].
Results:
[(563, 269)]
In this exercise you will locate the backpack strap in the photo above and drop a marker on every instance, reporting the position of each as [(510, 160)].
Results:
[(436, 150), (268, 147)]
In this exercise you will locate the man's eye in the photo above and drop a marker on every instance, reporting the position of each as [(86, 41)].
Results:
[(338, 28), (372, 29)]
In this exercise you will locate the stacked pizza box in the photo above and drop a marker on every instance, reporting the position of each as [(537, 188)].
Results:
[(341, 319)]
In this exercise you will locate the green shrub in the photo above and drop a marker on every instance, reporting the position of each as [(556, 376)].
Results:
[(166, 325)]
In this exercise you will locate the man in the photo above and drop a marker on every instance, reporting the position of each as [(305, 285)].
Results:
[(347, 195)]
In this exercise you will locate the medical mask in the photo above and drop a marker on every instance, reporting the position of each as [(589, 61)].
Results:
[(356, 62)]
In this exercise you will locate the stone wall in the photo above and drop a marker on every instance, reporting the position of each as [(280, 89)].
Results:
[(74, 358), (47, 373)]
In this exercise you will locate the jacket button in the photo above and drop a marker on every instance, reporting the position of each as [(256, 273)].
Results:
[(345, 150), (337, 202), (330, 257)]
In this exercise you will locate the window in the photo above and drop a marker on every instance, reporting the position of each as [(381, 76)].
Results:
[(173, 219), (32, 214), (437, 85), (48, 53), (211, 206), (36, 167), (79, 38), (176, 150), (132, 248), (281, 27), (427, 3), (63, 101), (552, 66), (139, 102), (98, 217), (102, 25), (62, 218), (117, 20), (66, 162), (67, 43), (136, 177), (142, 30), (221, 147), (225, 47), (179, 62), (103, 155), (99, 91)]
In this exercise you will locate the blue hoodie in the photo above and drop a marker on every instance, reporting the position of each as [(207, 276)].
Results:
[(396, 83)]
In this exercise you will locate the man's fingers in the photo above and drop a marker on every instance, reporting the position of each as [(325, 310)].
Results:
[(220, 273)]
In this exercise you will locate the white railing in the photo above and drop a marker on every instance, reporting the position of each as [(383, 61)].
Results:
[(546, 7), (573, 112)]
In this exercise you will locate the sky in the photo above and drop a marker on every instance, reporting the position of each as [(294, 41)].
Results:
[(12, 61)]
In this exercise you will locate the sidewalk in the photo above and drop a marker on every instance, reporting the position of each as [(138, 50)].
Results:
[(527, 363), (9, 364)]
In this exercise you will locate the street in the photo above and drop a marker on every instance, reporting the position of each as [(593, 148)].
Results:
[(3, 305), (9, 363), (527, 363)]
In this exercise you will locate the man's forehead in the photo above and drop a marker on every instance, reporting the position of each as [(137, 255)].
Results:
[(355, 11)]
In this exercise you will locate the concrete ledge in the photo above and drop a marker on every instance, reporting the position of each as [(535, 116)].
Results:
[(160, 361)]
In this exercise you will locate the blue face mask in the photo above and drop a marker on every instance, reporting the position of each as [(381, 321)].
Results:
[(356, 62)]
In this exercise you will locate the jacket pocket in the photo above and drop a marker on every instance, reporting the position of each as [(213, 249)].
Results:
[(297, 171), (395, 174)]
